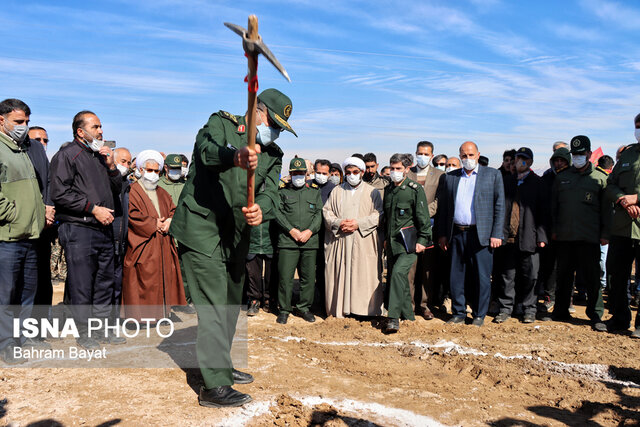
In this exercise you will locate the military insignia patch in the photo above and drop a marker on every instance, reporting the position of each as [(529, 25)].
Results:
[(287, 110), (575, 142), (282, 184), (312, 206), (297, 163), (177, 159), (241, 128)]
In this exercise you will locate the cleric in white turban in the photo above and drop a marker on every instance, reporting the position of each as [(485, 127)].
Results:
[(353, 267), (152, 282)]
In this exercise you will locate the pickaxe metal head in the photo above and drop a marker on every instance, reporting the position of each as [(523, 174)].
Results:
[(255, 46)]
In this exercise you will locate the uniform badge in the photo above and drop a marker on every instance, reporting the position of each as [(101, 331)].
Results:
[(401, 212), (297, 163), (287, 110), (575, 142), (312, 206), (241, 128)]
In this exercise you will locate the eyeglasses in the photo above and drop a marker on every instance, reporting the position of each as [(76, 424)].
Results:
[(152, 170), (441, 164), (42, 140)]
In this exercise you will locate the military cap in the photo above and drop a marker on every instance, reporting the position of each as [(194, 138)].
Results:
[(297, 164), (279, 107), (525, 152), (173, 160), (580, 144)]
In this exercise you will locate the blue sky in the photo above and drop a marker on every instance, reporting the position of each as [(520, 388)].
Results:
[(366, 75)]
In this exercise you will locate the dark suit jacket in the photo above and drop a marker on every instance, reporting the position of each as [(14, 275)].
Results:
[(533, 200), (488, 202)]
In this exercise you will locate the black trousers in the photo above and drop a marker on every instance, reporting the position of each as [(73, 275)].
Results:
[(264, 289), (116, 300), (622, 252), (548, 270), (90, 282), (583, 257), (518, 272), (44, 291)]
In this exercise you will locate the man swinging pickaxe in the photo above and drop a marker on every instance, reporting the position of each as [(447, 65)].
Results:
[(279, 108)]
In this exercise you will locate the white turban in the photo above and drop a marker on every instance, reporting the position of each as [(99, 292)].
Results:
[(146, 155), (353, 161)]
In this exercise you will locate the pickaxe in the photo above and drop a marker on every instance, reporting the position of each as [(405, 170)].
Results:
[(253, 46)]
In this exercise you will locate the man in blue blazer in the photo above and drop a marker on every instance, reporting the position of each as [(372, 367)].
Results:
[(470, 225)]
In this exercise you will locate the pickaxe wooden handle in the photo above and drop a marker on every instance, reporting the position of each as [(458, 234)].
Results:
[(253, 46)]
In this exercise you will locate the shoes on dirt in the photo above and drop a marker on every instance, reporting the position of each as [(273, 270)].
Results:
[(87, 343), (254, 307), (36, 343), (392, 326), (529, 318), (548, 303), (242, 377), (308, 317), (456, 320), (7, 356), (572, 309), (613, 326), (222, 397), (636, 333), (599, 327), (427, 314), (478, 321), (501, 318), (282, 318), (111, 338)]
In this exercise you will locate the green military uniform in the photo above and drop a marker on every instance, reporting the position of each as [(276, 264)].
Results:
[(405, 205), (213, 234), (580, 218), (625, 236), (299, 208), (174, 188)]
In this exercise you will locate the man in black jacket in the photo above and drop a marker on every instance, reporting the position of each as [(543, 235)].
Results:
[(122, 158), (525, 230), (84, 185)]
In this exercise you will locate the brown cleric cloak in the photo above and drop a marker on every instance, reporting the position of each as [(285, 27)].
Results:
[(151, 281)]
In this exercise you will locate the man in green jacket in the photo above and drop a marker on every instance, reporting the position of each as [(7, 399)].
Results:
[(299, 217), (580, 217), (172, 181), (22, 216), (405, 213), (623, 187), (210, 224)]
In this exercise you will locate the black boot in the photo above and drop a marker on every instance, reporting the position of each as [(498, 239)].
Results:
[(242, 377), (222, 397)]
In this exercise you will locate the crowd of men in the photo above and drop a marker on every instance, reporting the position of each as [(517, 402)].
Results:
[(441, 234)]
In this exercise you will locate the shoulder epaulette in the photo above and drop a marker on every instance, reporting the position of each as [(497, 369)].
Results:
[(314, 185), (282, 184), (598, 168), (412, 185), (228, 116)]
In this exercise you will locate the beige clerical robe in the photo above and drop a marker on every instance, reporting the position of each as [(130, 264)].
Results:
[(353, 267)]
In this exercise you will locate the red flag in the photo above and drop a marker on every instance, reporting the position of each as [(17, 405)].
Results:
[(596, 155)]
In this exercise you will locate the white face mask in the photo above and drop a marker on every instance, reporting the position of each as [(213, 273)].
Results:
[(423, 160), (298, 180), (150, 180), (396, 176), (637, 134), (95, 144), (469, 164), (321, 179), (137, 173), (184, 170), (266, 135), (579, 160), (124, 171), (450, 169), (174, 174), (311, 177), (354, 179), (441, 167), (334, 179)]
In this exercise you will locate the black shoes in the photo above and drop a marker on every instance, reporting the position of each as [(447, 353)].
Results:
[(7, 356), (501, 317), (36, 343), (111, 338), (242, 377), (456, 320), (282, 318), (254, 307), (529, 318), (222, 397), (392, 326), (186, 309), (613, 326), (478, 321), (87, 343), (308, 316)]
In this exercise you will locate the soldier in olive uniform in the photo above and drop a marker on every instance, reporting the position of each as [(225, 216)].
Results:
[(172, 181), (405, 206), (580, 224), (210, 224), (299, 217), (622, 190)]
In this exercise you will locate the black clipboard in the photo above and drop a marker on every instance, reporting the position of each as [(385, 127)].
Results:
[(409, 238)]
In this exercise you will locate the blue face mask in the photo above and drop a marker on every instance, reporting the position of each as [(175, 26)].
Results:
[(266, 135)]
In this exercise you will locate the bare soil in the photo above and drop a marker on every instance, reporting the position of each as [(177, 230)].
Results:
[(339, 372)]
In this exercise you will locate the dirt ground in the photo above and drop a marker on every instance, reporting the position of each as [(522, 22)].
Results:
[(339, 372)]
